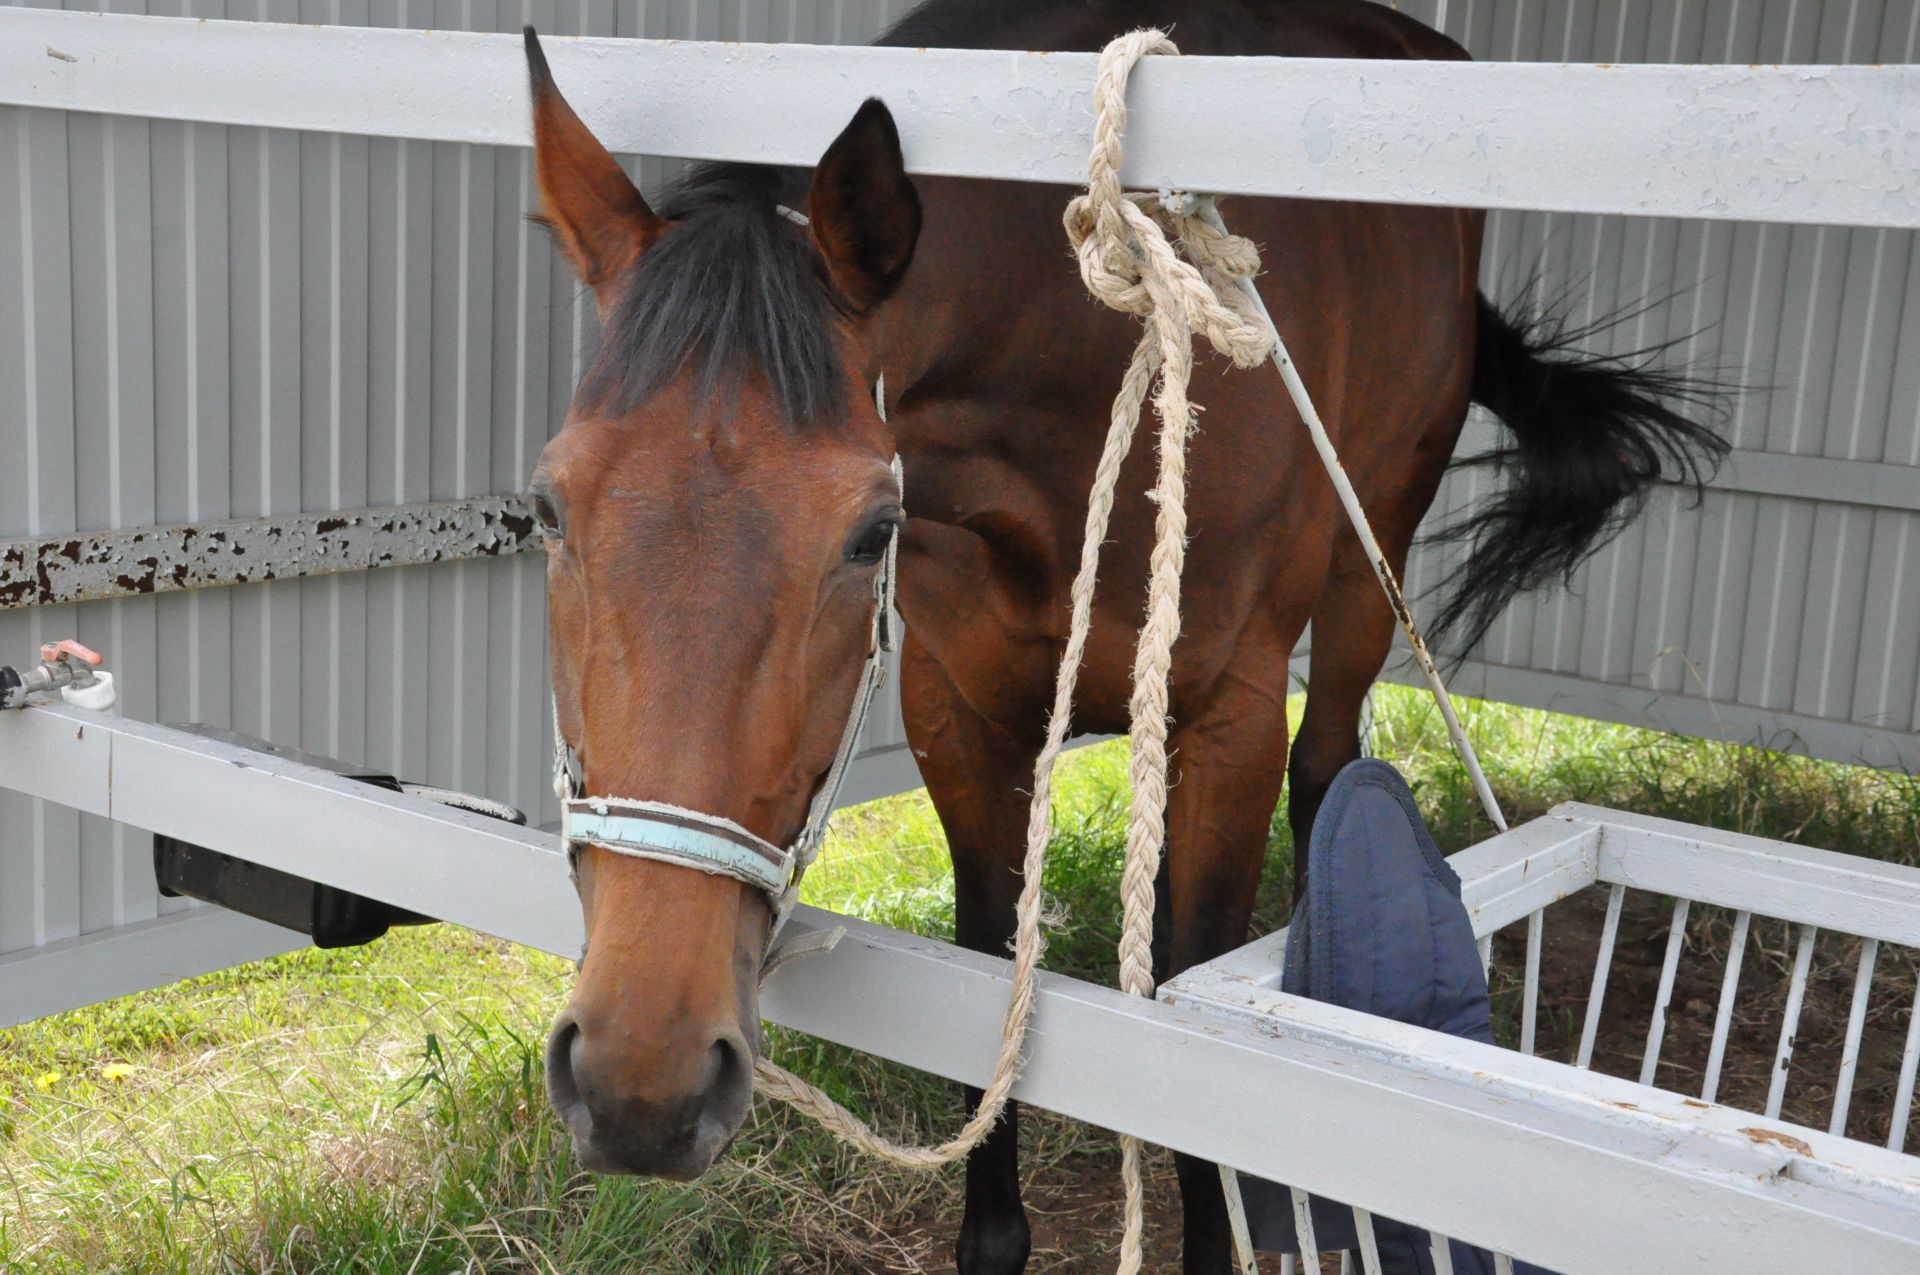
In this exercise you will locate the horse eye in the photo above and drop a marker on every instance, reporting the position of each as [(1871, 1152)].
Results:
[(545, 513), (871, 544)]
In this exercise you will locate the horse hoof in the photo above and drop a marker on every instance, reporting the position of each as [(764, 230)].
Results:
[(998, 1247)]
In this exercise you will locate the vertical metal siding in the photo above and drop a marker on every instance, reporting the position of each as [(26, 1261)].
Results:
[(218, 322), (1784, 611), (200, 322)]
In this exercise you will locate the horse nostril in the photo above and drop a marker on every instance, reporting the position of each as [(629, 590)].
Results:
[(563, 1086), (620, 1125), (730, 1082), (729, 1064)]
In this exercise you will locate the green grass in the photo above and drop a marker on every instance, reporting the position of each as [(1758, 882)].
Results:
[(380, 1109)]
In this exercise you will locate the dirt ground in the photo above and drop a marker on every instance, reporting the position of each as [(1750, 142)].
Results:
[(1074, 1202), (1074, 1210)]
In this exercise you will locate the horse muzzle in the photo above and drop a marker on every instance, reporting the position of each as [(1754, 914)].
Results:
[(664, 1131)]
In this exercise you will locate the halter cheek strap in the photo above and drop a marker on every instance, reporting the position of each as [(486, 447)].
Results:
[(708, 843)]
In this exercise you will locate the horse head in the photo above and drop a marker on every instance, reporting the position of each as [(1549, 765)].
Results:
[(715, 508)]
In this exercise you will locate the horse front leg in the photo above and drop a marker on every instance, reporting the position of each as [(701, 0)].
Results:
[(1353, 628), (1229, 761), (978, 776)]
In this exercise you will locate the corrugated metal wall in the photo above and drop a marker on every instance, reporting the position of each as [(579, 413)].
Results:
[(1785, 609), (201, 322)]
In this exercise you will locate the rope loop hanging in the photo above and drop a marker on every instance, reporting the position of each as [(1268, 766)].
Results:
[(1125, 240), (1129, 247)]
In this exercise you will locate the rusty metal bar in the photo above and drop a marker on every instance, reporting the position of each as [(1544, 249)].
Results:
[(142, 560)]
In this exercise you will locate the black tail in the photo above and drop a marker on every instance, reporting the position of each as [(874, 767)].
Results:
[(1590, 433)]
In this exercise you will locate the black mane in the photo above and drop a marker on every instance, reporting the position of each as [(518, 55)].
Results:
[(733, 291)]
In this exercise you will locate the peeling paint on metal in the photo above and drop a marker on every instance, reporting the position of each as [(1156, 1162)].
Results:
[(1798, 1146), (128, 563)]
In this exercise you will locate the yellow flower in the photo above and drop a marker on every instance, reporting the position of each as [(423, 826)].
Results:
[(46, 1080), (117, 1071)]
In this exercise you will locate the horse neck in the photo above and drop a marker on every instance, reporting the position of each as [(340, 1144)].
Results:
[(992, 344)]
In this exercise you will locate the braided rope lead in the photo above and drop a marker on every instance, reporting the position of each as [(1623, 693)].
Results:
[(1029, 914), (1129, 263)]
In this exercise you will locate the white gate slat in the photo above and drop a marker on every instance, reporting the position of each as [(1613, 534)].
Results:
[(1303, 1229), (1723, 1016), (1530, 987), (1850, 1049), (1790, 1020), (1602, 965), (1663, 997), (1909, 1071), (1369, 1242)]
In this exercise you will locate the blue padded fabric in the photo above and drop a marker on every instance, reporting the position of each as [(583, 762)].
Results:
[(1381, 929)]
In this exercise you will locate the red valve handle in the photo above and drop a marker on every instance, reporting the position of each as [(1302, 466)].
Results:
[(52, 652)]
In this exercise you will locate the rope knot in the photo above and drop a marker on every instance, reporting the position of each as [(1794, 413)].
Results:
[(1125, 240)]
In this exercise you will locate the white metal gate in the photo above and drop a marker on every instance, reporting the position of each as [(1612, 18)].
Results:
[(1476, 1142)]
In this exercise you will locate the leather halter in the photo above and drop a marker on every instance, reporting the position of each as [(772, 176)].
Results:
[(709, 843)]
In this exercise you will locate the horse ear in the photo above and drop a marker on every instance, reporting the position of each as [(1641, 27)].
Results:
[(865, 214), (593, 208)]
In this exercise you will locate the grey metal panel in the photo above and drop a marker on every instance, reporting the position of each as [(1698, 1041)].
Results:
[(208, 322), (1789, 594)]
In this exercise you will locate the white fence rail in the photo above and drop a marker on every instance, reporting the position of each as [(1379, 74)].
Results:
[(1719, 142), (1477, 1141)]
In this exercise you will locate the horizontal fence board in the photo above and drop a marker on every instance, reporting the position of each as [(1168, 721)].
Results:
[(1834, 892), (1725, 142), (135, 957)]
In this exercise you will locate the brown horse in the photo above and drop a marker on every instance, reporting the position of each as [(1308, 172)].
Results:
[(720, 499)]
